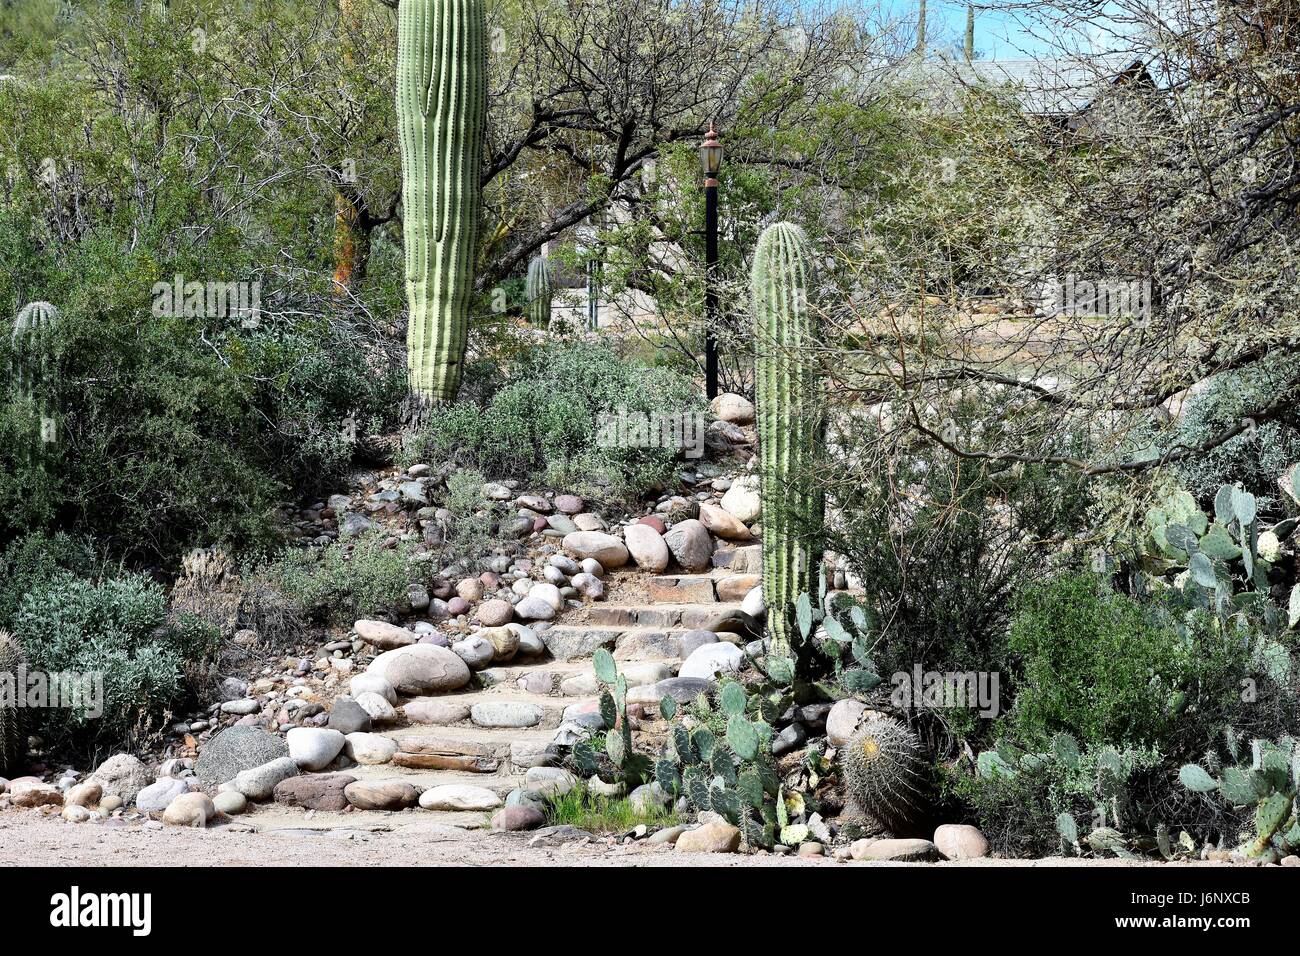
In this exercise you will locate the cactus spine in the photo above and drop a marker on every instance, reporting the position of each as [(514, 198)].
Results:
[(441, 113), (32, 369), (790, 427), (886, 774), (537, 289), (12, 741)]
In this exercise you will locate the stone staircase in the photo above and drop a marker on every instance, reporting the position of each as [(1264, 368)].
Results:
[(489, 736)]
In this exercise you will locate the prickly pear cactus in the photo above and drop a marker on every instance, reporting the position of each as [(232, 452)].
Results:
[(790, 428), (886, 774), (441, 113), (12, 739), (538, 291)]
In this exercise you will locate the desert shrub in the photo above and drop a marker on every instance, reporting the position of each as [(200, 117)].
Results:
[(544, 422), (344, 580), (472, 531), (29, 562), (117, 630)]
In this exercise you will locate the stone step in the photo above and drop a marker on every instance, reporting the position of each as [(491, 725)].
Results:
[(494, 707), (516, 749), (715, 586), (662, 616), (742, 559), (500, 783)]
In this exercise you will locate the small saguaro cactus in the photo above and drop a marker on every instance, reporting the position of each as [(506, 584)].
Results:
[(886, 774), (441, 114), (790, 429), (538, 291), (32, 367), (12, 739)]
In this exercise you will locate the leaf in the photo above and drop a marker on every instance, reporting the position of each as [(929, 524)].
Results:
[(1243, 506), (1181, 538), (667, 707), (859, 681), (780, 670), (733, 699), (782, 817), (682, 744), (1202, 571), (803, 615), (1067, 828), (1237, 787), (836, 631), (608, 710), (1275, 661), (606, 670), (991, 765), (1294, 483), (794, 834), (704, 742), (667, 777), (1293, 607), (742, 737), (1218, 544), (614, 747), (1066, 749), (1223, 513), (1194, 778)]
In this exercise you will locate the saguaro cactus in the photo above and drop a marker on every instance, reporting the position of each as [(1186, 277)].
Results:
[(12, 739), (32, 367), (441, 113), (537, 290), (790, 428)]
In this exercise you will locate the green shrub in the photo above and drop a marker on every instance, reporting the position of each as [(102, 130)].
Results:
[(30, 561), (347, 580), (117, 630), (1095, 663), (543, 422)]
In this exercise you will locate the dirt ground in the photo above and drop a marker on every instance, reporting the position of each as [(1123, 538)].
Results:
[(32, 839)]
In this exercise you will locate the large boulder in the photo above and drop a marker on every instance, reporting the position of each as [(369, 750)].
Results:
[(156, 797), (258, 783), (710, 838), (742, 499), (315, 791), (723, 523), (421, 669), (690, 544), (190, 810), (235, 750), (381, 794), (647, 547), (313, 748), (122, 776), (383, 635), (733, 408), (605, 548), (710, 660)]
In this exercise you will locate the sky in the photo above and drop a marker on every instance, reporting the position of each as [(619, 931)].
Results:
[(999, 34)]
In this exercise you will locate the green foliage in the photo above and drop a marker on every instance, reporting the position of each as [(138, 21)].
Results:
[(791, 429), (597, 814), (545, 422), (114, 629), (348, 580), (30, 561), (1267, 784)]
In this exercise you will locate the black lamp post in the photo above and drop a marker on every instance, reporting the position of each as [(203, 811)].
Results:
[(711, 160)]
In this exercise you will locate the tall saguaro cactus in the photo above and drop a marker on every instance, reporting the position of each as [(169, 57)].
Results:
[(538, 291), (32, 367), (790, 428), (441, 113)]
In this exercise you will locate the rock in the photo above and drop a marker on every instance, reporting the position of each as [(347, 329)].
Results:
[(313, 748), (74, 813), (549, 781), (535, 609), (561, 523), (352, 524), (566, 643), (506, 713), (681, 689), (791, 738), (459, 796), (369, 749), (495, 613), (230, 802), (733, 408), (124, 776), (373, 684), (109, 803), (530, 644), (690, 544), (960, 841), (647, 547), (605, 548), (711, 660), (432, 710), (736, 587), (477, 652), (559, 836), (421, 669), (190, 810), (381, 795), (518, 817), (533, 753), (347, 716), (589, 522), (504, 641), (382, 635), (231, 688), (723, 523), (898, 851), (82, 795), (569, 504), (457, 606), (735, 621), (413, 492), (237, 749), (316, 791), (534, 503), (710, 838), (379, 710), (156, 797), (589, 586), (648, 798), (842, 722), (753, 603), (241, 707), (34, 793), (258, 783), (692, 641), (667, 834), (742, 500), (469, 589)]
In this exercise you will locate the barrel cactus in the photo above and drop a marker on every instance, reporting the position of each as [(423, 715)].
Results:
[(537, 289), (32, 367), (790, 429), (441, 114), (11, 732), (886, 774)]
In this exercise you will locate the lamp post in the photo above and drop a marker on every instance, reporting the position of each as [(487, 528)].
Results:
[(711, 160)]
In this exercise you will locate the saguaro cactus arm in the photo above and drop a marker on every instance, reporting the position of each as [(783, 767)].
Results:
[(538, 291), (790, 429), (441, 113)]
